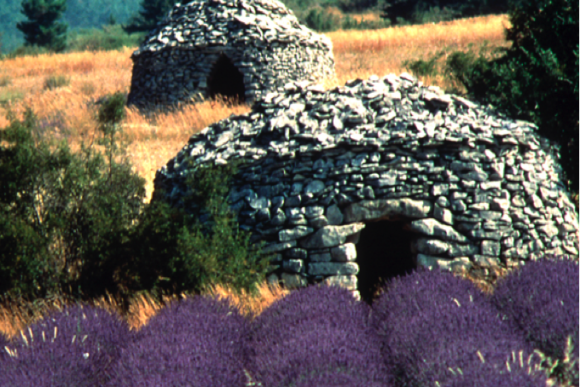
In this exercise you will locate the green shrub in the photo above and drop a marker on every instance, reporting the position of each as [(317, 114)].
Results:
[(76, 224), (322, 19), (424, 67), (58, 211), (55, 81), (5, 80), (537, 77), (175, 251), (109, 37)]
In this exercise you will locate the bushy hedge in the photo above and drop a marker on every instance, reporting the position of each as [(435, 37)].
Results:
[(197, 342), (76, 223), (73, 347)]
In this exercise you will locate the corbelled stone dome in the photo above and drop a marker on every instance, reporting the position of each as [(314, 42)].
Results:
[(374, 178), (236, 48)]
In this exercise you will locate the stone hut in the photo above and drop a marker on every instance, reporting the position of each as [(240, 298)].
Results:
[(236, 48), (372, 179)]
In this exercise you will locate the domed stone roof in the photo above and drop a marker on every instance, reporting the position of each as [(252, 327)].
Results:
[(380, 176), (236, 48)]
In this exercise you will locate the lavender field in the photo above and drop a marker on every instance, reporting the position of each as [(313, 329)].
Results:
[(428, 328)]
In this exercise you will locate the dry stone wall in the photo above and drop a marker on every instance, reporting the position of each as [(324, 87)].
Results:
[(473, 187), (261, 39)]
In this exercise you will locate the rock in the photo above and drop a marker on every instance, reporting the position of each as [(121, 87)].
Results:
[(385, 208), (344, 253), (332, 268), (433, 228), (345, 281), (330, 236)]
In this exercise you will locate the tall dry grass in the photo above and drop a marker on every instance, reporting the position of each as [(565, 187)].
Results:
[(68, 113)]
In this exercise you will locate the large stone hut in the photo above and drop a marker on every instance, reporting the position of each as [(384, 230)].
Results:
[(236, 48), (377, 177)]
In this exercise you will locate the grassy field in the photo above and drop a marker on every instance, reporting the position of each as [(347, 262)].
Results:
[(62, 90)]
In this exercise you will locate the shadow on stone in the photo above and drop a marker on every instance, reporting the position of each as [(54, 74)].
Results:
[(226, 80), (383, 252)]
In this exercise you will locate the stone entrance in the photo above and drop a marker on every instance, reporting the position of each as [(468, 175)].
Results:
[(226, 80), (383, 252)]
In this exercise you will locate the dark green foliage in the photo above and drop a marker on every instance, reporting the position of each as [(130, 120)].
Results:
[(537, 78), (424, 68), (151, 13), (109, 37), (432, 11), (321, 19), (180, 251), (55, 81), (42, 28), (76, 222), (58, 210)]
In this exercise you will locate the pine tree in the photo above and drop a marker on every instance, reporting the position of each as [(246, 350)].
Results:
[(42, 28), (151, 13)]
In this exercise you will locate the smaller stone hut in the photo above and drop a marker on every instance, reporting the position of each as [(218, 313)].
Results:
[(235, 48)]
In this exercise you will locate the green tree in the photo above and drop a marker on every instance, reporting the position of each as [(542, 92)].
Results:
[(42, 28), (537, 77), (151, 13)]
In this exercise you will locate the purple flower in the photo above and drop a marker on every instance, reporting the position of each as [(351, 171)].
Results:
[(541, 299), (73, 347), (192, 342), (431, 321), (318, 329)]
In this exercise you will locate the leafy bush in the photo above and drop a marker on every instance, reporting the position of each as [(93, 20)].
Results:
[(196, 342), (196, 243), (55, 81), (5, 81), (74, 347), (424, 67), (106, 38), (317, 330), (322, 19), (59, 210), (537, 78), (541, 299), (431, 322)]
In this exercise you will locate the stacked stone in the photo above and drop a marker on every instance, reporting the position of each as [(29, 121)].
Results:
[(478, 189), (262, 39)]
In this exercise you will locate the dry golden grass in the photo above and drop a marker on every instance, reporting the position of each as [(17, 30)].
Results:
[(68, 113)]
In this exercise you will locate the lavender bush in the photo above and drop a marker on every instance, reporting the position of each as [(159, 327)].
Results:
[(431, 322), (193, 342), (336, 379), (3, 343), (318, 329), (541, 299), (73, 347)]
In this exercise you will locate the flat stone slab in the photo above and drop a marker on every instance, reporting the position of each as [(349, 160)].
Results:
[(386, 208), (330, 236)]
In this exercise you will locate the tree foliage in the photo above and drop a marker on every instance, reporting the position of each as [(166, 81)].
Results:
[(151, 13), (536, 79), (42, 28)]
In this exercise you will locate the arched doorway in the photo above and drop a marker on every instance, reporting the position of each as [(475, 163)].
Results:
[(383, 252), (226, 80)]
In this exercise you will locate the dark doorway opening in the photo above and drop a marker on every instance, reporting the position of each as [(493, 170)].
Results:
[(383, 252), (226, 80)]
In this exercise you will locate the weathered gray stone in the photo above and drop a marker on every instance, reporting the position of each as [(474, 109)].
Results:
[(331, 236), (433, 228), (293, 265), (321, 257), (443, 215), (275, 247), (344, 253), (455, 265), (294, 233), (345, 281), (293, 280), (332, 268), (385, 208), (334, 215), (430, 246), (491, 248)]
